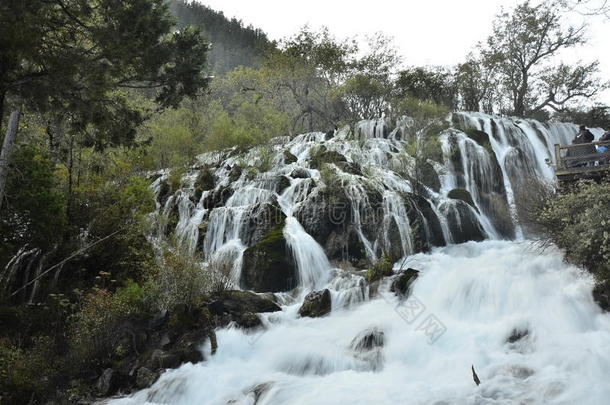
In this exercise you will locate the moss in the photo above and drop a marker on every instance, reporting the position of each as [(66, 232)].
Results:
[(322, 155), (480, 137), (273, 242), (382, 268), (463, 195), (235, 174), (205, 179), (289, 157)]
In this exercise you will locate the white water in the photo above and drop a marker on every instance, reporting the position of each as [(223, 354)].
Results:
[(480, 292)]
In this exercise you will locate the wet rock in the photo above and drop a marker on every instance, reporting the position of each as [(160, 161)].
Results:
[(463, 195), (480, 137), (282, 184), (367, 347), (248, 320), (368, 339), (165, 191), (300, 173), (322, 155), (462, 222), (289, 157), (429, 177), (145, 378), (345, 244), (218, 197), (108, 383), (316, 304), (261, 219), (260, 390), (601, 295), (404, 280), (161, 360), (235, 173), (243, 301), (349, 167), (426, 227), (516, 335), (322, 214), (267, 266)]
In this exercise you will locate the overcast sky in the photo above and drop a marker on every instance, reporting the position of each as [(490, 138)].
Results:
[(437, 32)]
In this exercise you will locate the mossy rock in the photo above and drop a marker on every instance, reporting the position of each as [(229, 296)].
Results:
[(430, 177), (379, 270), (480, 137), (289, 157), (316, 304), (400, 286), (267, 266), (205, 179), (235, 173), (463, 195), (322, 155)]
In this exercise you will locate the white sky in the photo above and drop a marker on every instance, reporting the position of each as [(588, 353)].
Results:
[(435, 32)]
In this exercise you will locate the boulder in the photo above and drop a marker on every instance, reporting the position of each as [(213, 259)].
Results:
[(218, 197), (463, 195), (289, 157), (282, 184), (267, 266), (345, 244), (322, 155), (368, 339), (145, 378), (462, 222), (241, 302), (261, 219), (400, 285), (424, 222), (429, 176), (248, 320), (321, 213), (300, 173), (316, 304)]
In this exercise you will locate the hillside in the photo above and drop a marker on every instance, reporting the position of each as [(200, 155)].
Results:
[(233, 43)]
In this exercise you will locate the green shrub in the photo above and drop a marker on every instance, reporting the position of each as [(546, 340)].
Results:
[(382, 268), (578, 221)]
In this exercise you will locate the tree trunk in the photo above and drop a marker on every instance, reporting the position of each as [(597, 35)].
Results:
[(7, 151)]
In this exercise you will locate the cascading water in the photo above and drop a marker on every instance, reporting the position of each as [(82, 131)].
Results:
[(523, 318)]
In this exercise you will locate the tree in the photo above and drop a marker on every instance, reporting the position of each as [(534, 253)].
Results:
[(77, 57), (430, 84), (474, 84), (521, 48)]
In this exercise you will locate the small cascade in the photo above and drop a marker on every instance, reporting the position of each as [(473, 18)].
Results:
[(344, 195)]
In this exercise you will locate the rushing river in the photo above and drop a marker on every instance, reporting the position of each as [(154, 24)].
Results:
[(468, 302)]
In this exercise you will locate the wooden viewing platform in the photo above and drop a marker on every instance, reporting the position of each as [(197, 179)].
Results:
[(582, 161)]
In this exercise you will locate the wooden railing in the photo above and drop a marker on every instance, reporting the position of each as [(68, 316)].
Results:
[(584, 155)]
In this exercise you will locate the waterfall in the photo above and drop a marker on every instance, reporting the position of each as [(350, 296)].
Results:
[(485, 296)]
